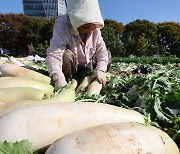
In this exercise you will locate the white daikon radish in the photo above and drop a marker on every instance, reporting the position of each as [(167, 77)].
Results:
[(44, 124), (122, 138), (14, 94), (5, 77), (66, 95), (14, 70), (85, 82), (2, 62), (26, 82), (94, 88), (15, 61)]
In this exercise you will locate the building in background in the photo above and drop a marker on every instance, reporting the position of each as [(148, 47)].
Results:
[(44, 8)]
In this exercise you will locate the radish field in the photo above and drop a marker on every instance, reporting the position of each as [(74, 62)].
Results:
[(151, 89), (149, 86)]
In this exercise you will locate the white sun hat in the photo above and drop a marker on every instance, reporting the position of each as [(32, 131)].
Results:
[(84, 11)]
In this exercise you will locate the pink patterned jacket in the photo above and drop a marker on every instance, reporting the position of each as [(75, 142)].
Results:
[(63, 37)]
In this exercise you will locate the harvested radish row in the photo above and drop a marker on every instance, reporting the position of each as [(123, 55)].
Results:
[(94, 88), (14, 94), (14, 70), (121, 138), (66, 95), (26, 82), (59, 119)]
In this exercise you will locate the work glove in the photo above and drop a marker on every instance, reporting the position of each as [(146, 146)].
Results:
[(60, 83), (101, 77)]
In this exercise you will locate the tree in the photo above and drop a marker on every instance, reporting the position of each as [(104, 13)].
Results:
[(169, 37), (139, 38), (31, 30), (35, 32), (10, 27), (116, 26), (45, 35), (46, 30), (112, 41)]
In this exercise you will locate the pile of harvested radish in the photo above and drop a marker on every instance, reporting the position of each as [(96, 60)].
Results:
[(33, 119)]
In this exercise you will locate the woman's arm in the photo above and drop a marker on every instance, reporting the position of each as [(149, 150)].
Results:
[(55, 51), (101, 54), (102, 60)]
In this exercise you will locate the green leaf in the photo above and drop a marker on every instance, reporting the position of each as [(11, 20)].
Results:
[(22, 147), (157, 108)]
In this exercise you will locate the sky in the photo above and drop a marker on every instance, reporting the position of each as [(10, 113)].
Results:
[(123, 11)]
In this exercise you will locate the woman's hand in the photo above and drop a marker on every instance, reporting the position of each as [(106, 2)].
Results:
[(101, 77), (60, 83)]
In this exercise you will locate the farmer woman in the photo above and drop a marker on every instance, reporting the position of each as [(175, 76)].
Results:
[(77, 43)]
